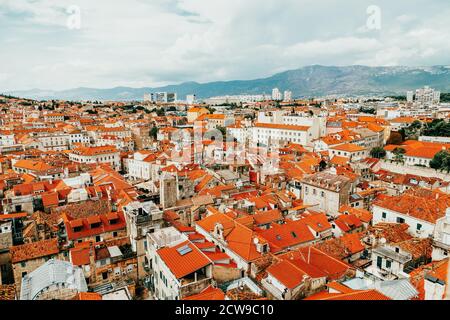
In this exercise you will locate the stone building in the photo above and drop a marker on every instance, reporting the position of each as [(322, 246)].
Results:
[(326, 190)]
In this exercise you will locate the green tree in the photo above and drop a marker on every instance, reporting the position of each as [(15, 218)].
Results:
[(399, 155), (159, 112), (378, 153), (413, 131), (211, 109), (367, 110), (437, 128), (154, 132), (441, 161), (222, 130)]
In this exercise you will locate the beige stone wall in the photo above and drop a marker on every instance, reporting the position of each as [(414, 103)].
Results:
[(224, 274), (54, 293), (5, 240), (29, 266), (97, 278), (106, 236)]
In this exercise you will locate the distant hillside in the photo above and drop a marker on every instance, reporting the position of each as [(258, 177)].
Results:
[(304, 82)]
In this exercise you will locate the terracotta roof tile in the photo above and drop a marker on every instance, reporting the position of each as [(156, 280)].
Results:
[(183, 265), (34, 250)]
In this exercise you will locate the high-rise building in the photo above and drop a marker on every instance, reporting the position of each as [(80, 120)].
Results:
[(148, 97), (410, 96), (191, 98), (160, 97), (287, 96), (276, 94), (428, 96)]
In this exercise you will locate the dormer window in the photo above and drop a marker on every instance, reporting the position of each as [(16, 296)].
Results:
[(264, 248), (94, 222), (113, 218), (77, 225)]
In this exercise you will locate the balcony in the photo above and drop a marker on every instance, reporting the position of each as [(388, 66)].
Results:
[(190, 286), (272, 290), (438, 243)]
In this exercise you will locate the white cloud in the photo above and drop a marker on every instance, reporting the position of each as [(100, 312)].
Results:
[(155, 42)]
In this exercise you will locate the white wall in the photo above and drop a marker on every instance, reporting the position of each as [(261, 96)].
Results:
[(427, 228)]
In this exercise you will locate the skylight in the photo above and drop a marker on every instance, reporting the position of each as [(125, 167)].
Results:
[(184, 250)]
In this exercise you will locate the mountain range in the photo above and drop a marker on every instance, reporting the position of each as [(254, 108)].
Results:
[(310, 81)]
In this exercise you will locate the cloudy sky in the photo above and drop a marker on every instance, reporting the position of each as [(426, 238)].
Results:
[(141, 43)]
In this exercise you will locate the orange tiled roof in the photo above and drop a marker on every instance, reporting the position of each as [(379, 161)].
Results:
[(356, 295), (419, 203), (93, 151), (50, 199), (88, 296), (34, 250), (269, 216), (33, 165), (183, 265), (240, 239), (287, 235), (348, 147), (340, 161), (210, 293), (281, 126), (287, 273)]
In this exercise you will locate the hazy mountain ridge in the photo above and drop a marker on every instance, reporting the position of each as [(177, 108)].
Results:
[(304, 82)]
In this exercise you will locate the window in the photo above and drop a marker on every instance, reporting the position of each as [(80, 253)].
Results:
[(24, 274), (115, 234), (105, 275), (388, 264), (98, 238), (400, 220), (379, 262), (419, 226), (23, 264), (383, 215)]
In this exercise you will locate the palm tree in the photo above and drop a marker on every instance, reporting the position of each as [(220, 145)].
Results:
[(399, 155)]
